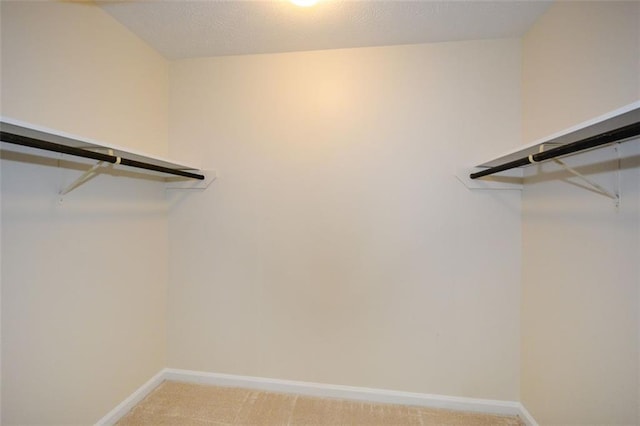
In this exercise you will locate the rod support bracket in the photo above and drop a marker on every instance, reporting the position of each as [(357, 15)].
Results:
[(177, 183), (89, 174), (597, 188), (511, 179)]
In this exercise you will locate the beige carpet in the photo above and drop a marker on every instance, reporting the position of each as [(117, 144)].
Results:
[(174, 403)]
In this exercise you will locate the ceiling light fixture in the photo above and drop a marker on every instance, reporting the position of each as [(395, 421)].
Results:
[(304, 3)]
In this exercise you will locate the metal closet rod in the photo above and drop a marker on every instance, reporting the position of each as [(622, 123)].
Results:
[(617, 135), (79, 152)]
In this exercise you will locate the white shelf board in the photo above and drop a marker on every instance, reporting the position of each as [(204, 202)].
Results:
[(39, 132), (512, 179), (618, 118)]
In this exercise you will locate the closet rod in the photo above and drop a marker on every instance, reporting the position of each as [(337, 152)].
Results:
[(79, 152), (616, 135)]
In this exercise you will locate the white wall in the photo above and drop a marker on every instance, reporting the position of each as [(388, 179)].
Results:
[(337, 246), (72, 67), (83, 282), (581, 269), (580, 60)]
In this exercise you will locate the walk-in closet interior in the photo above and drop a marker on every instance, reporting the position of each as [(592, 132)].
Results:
[(314, 201)]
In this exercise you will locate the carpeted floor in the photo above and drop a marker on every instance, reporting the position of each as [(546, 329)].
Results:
[(183, 404)]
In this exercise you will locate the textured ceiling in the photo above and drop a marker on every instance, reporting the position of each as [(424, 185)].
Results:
[(185, 29)]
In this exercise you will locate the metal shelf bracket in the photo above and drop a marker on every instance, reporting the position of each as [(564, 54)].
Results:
[(599, 189), (89, 174)]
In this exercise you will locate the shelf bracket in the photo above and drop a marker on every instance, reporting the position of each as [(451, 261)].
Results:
[(86, 176), (596, 187), (599, 189), (615, 196)]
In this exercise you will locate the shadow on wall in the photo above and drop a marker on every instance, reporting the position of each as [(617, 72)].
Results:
[(110, 192)]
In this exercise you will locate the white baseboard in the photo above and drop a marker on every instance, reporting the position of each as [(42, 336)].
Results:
[(488, 406), (125, 406), (526, 417), (347, 392)]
